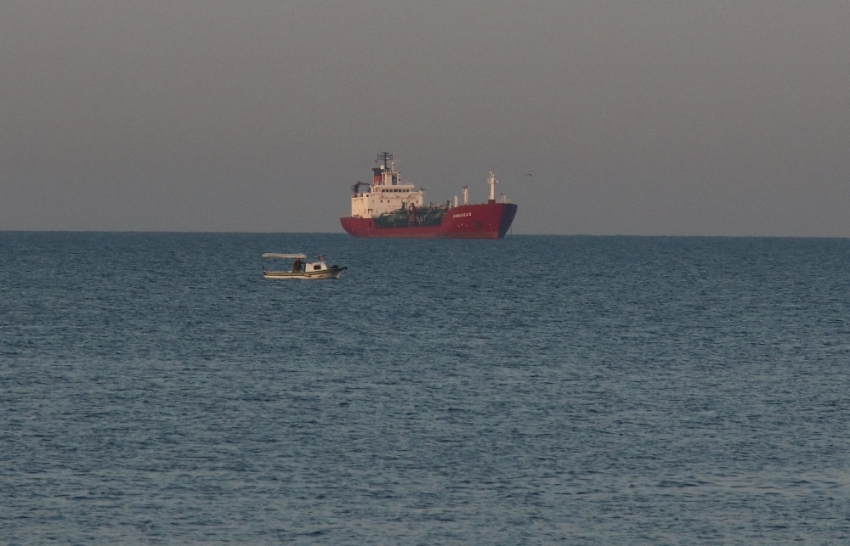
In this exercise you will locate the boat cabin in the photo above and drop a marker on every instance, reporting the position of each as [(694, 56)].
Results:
[(315, 266)]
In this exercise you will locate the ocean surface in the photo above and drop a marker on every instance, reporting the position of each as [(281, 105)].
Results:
[(155, 389)]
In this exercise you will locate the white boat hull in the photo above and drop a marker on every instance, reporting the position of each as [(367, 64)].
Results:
[(330, 273)]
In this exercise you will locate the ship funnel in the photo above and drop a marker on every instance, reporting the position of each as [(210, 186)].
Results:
[(465, 195)]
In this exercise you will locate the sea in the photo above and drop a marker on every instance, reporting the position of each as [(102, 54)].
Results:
[(156, 389)]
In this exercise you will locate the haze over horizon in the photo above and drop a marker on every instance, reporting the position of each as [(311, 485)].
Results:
[(633, 118)]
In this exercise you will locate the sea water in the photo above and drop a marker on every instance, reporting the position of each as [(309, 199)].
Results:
[(155, 389)]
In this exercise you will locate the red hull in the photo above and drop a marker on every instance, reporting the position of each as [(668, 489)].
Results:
[(485, 221)]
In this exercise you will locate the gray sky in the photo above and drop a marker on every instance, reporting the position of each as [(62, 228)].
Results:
[(695, 117)]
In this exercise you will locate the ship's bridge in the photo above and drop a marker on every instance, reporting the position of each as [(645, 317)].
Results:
[(380, 199)]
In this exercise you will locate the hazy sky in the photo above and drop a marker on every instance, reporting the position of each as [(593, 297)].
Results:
[(695, 117)]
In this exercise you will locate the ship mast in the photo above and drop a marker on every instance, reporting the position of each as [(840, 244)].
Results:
[(492, 181), (378, 172), (386, 157)]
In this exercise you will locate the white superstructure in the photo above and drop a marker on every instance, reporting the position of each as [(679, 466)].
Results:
[(386, 193)]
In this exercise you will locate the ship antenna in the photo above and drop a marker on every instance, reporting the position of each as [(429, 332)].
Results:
[(386, 157)]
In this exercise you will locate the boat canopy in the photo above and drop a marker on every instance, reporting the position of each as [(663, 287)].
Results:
[(284, 256)]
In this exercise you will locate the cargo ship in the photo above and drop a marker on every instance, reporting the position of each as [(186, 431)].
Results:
[(389, 208)]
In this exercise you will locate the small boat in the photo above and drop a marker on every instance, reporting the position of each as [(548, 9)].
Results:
[(301, 269)]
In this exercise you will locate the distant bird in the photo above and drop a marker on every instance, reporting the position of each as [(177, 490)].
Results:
[(526, 174)]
